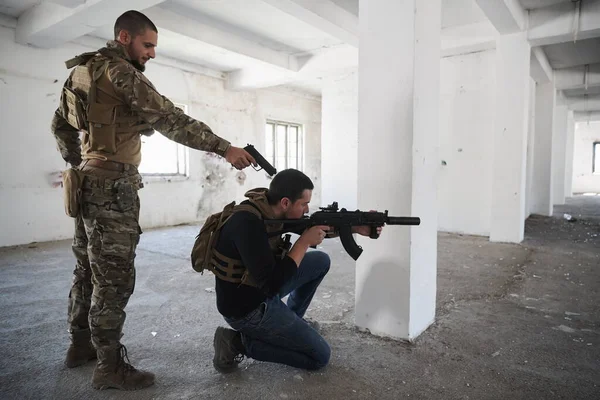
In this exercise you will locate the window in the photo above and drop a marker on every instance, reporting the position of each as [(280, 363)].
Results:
[(596, 158), (284, 145), (162, 156)]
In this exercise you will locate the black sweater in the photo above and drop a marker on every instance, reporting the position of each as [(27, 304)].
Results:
[(244, 237)]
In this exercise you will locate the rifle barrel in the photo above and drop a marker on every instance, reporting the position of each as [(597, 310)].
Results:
[(403, 221)]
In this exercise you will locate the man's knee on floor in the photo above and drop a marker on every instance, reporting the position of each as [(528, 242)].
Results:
[(322, 357)]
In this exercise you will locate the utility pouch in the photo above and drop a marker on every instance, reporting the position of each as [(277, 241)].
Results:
[(74, 109), (72, 181), (126, 195), (102, 127)]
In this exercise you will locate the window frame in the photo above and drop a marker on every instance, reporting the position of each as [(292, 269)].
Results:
[(595, 157), (300, 141)]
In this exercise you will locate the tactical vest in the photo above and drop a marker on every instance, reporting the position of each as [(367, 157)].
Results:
[(111, 130), (205, 256)]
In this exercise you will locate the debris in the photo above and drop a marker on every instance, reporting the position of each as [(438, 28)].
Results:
[(565, 328), (571, 313), (153, 333), (326, 296), (569, 218), (496, 354), (209, 290), (298, 377)]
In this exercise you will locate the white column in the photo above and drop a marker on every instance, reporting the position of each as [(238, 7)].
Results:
[(559, 142), (339, 141), (398, 126), (510, 138), (570, 148), (545, 102), (530, 149)]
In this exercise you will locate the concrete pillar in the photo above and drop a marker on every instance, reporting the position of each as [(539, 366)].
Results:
[(559, 142), (510, 138), (339, 141), (530, 148), (545, 101), (570, 149), (398, 126)]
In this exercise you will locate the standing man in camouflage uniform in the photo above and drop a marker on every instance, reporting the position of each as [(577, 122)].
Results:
[(108, 99)]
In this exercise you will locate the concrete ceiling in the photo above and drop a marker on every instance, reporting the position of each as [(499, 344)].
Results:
[(532, 4), (571, 54), (301, 43)]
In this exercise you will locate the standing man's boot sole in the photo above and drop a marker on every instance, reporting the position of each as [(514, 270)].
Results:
[(126, 387)]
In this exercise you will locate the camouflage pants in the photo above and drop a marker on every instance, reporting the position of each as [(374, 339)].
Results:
[(106, 236)]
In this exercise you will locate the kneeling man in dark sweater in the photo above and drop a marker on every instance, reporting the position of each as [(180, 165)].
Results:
[(254, 270)]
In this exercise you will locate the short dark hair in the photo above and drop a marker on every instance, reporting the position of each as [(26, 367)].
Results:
[(133, 22), (289, 183)]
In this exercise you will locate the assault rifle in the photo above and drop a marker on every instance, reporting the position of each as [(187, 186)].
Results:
[(260, 160), (342, 221)]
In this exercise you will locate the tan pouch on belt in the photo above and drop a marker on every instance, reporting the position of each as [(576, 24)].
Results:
[(72, 180)]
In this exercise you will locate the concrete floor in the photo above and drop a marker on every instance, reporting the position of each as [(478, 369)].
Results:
[(513, 322)]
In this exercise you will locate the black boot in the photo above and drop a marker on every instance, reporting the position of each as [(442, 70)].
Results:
[(229, 350)]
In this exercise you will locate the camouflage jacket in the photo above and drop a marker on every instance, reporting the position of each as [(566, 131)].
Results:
[(141, 97)]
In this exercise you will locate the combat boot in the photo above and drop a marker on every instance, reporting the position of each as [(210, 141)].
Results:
[(229, 350), (113, 371), (81, 349)]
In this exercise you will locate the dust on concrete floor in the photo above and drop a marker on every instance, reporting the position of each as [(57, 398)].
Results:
[(513, 321)]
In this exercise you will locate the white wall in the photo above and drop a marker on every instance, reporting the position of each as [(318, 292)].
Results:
[(30, 82), (467, 108), (339, 152), (584, 181)]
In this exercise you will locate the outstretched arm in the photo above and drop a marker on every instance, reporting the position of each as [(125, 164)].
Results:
[(157, 110)]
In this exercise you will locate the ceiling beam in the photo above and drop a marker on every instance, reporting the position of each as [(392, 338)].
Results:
[(508, 16), (221, 38), (49, 25), (324, 15), (465, 39), (317, 65), (540, 70), (582, 116), (581, 77), (555, 24), (582, 103)]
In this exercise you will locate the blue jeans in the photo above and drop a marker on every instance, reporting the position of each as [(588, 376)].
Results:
[(276, 332)]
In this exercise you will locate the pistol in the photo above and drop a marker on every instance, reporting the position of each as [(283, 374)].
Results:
[(260, 160)]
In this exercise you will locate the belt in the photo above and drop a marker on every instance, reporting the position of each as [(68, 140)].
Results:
[(110, 165)]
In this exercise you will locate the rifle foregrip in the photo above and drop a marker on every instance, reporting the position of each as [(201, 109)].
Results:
[(260, 160)]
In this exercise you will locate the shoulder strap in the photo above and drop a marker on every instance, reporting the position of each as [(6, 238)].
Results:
[(80, 59)]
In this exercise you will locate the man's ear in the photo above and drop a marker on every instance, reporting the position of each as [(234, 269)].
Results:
[(124, 37), (285, 203)]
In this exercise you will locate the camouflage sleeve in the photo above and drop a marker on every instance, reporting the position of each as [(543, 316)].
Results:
[(137, 92), (67, 139)]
